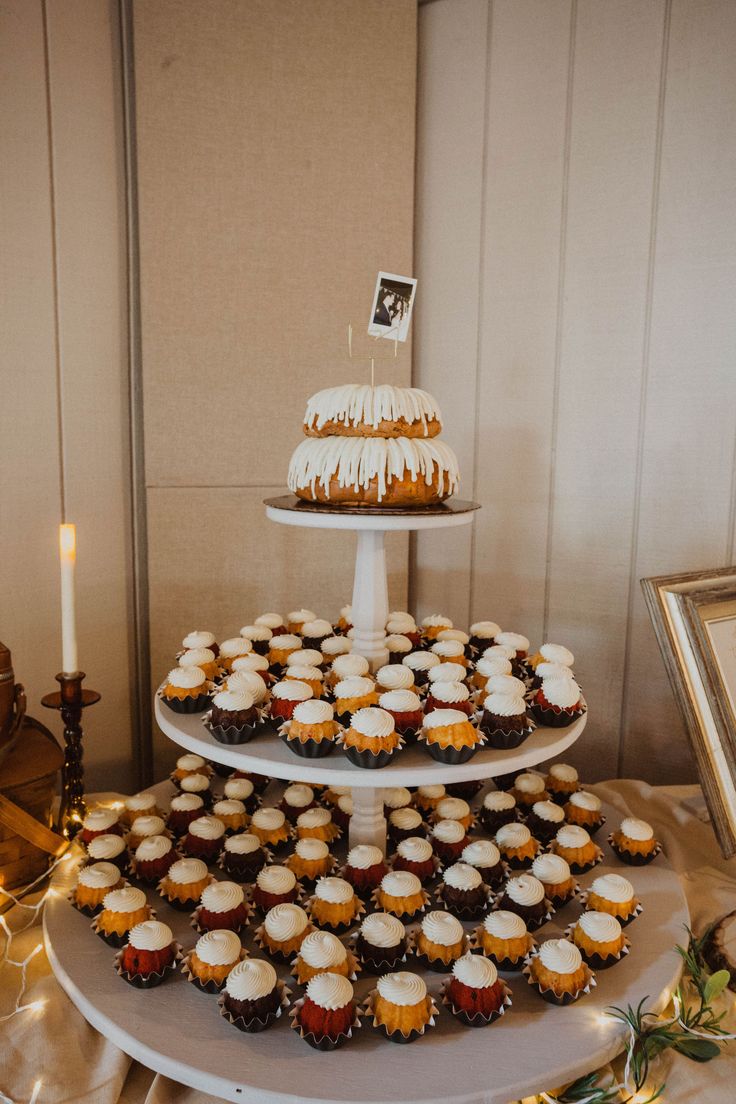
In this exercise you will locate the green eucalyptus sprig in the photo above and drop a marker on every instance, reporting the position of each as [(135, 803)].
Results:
[(694, 1031)]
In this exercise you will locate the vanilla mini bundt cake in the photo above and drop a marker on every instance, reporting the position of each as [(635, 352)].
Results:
[(373, 446)]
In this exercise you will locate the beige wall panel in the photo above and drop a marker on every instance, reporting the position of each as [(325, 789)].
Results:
[(687, 471), (275, 152), (30, 501), (453, 38), (90, 228), (216, 563), (618, 44), (520, 271)]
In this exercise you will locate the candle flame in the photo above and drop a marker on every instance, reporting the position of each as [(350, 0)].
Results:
[(68, 542)]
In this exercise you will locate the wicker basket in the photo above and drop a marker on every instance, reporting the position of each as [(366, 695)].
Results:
[(28, 781)]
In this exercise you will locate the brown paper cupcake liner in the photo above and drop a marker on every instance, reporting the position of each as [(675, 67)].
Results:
[(229, 734), (405, 918), (634, 859), (397, 1036), (465, 912), (436, 965), (562, 999), (194, 921), (112, 938), (478, 1019), (594, 960), (323, 1042), (306, 749), (548, 718), (336, 929), (505, 741), (213, 987), (638, 909), (187, 705), (256, 1024), (150, 981)]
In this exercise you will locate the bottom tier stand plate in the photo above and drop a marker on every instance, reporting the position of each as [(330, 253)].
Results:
[(178, 1031)]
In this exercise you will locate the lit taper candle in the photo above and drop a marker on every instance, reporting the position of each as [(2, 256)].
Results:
[(68, 557)]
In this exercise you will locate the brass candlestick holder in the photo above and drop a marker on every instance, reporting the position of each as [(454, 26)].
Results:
[(70, 700)]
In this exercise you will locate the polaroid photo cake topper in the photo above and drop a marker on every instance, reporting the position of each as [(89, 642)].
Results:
[(392, 305)]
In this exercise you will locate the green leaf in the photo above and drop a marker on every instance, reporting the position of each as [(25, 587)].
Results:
[(716, 984), (699, 1050)]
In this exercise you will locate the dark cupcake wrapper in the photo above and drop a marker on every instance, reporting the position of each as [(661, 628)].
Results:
[(369, 760), (409, 735), (436, 965), (519, 863), (336, 929), (478, 1019), (565, 998), (323, 1042), (194, 921), (632, 859), (211, 987), (583, 868), (532, 923), (507, 965), (504, 741), (595, 960), (427, 878), (306, 749), (261, 911), (548, 718), (376, 965), (452, 756), (492, 820), (397, 1036), (256, 1024), (149, 981), (222, 770), (560, 798), (582, 897), (560, 900), (405, 918), (123, 861), (465, 912), (188, 705), (230, 734)]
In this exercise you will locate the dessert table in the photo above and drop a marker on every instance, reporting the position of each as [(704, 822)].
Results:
[(75, 1063)]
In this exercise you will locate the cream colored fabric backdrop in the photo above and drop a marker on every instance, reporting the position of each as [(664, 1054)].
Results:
[(575, 253), (275, 168)]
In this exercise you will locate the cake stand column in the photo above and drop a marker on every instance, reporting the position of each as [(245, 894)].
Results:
[(367, 824), (370, 597)]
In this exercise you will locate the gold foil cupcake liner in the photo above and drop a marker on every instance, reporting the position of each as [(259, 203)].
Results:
[(147, 981), (324, 1042), (344, 925), (638, 909), (398, 1036), (595, 960), (404, 917), (549, 995), (256, 1024), (436, 965), (210, 986), (477, 1019)]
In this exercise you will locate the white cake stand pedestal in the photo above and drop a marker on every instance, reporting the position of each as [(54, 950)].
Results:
[(370, 524)]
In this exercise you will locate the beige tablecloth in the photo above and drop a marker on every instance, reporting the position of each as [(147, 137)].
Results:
[(76, 1064)]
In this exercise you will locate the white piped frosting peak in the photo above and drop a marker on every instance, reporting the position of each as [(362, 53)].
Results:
[(492, 666), (152, 848), (99, 875), (329, 991), (400, 701), (197, 657), (405, 818), (442, 718), (199, 638), (561, 691), (414, 849), (104, 847), (557, 653), (481, 853), (513, 640), (636, 829), (300, 616), (400, 883), (549, 811), (402, 988), (395, 676), (235, 646), (475, 971), (442, 928), (450, 693), (239, 789), (452, 808), (298, 794), (270, 620), (285, 921), (186, 678), (381, 929), (218, 948), (207, 828), (269, 819), (286, 642), (364, 855), (563, 772), (243, 844), (292, 690), (305, 657), (194, 783), (147, 826), (234, 700), (525, 890), (249, 682), (98, 820), (462, 876), (570, 835), (600, 926), (399, 621), (560, 956), (334, 890), (497, 801), (504, 925), (276, 879), (190, 762), (551, 869), (505, 697), (314, 818), (150, 935), (222, 896), (321, 950), (448, 831), (372, 722), (447, 672), (529, 783), (251, 979), (229, 806), (513, 835), (311, 850), (187, 871), (613, 887), (125, 899), (186, 802), (349, 666), (421, 661), (485, 630), (355, 686), (582, 799)]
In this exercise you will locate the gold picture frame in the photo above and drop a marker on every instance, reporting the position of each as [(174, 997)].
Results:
[(694, 618)]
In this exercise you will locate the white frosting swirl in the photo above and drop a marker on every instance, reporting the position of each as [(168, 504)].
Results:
[(504, 925), (601, 927), (306, 657), (285, 642), (190, 762), (450, 692), (194, 783), (502, 650), (199, 638), (150, 935), (400, 701), (548, 810), (229, 806), (311, 850), (299, 795), (513, 640), (334, 890), (557, 653), (402, 988), (350, 666), (570, 835), (454, 634), (436, 619), (251, 979), (218, 948), (316, 627), (207, 828), (99, 820), (372, 722), (186, 802), (222, 897), (497, 801), (242, 844), (381, 929), (551, 869), (494, 667), (485, 630), (400, 883), (329, 991), (139, 803), (513, 835), (563, 772), (447, 672), (443, 718), (292, 690), (584, 800), (299, 616), (270, 620), (235, 646), (364, 856), (525, 890), (99, 875), (108, 846), (152, 848), (431, 793), (462, 876), (187, 871), (125, 899), (421, 661), (356, 686), (415, 849), (234, 700), (285, 922), (345, 804), (613, 887), (400, 623), (560, 956), (442, 928), (252, 662), (398, 644), (268, 820), (256, 633), (475, 971), (545, 670), (636, 829), (395, 676), (249, 683), (448, 649), (197, 657), (314, 818), (396, 797), (529, 783), (321, 950), (147, 826), (186, 678), (560, 691), (302, 673), (238, 789), (334, 646), (481, 853), (452, 808), (276, 880), (405, 819), (448, 831)]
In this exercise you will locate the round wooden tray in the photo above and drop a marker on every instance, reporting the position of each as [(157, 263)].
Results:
[(178, 1031)]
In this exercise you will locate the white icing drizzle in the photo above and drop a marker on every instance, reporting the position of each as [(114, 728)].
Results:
[(381, 929), (475, 971), (504, 925), (222, 897), (442, 928), (285, 921), (150, 935), (357, 461), (251, 979), (551, 869), (218, 948), (358, 404), (560, 956), (329, 991), (402, 988)]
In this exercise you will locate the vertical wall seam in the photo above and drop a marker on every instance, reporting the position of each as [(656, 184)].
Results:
[(140, 644), (728, 559), (481, 299), (413, 542), (644, 382), (59, 368), (560, 312)]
